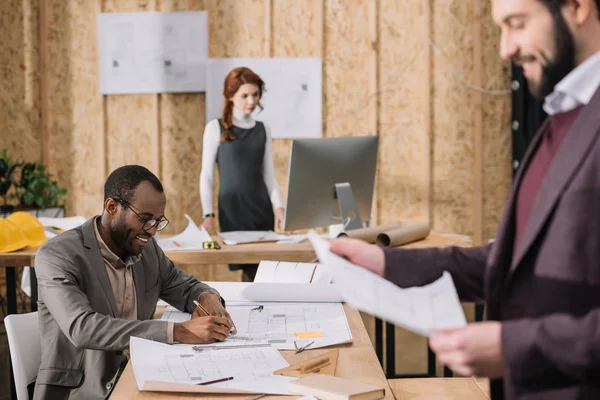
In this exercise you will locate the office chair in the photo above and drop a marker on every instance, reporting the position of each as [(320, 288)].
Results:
[(25, 348)]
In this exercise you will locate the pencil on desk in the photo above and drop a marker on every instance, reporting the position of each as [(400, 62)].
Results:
[(216, 381), (177, 244)]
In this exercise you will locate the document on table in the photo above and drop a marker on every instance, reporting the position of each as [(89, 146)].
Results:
[(277, 292), (285, 326), (239, 237), (190, 239), (419, 309), (157, 365)]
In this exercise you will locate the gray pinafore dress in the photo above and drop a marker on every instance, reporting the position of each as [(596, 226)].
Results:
[(244, 202)]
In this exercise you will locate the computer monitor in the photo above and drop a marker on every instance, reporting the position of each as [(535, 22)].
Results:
[(331, 181)]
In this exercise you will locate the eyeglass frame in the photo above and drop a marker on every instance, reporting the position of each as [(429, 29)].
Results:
[(144, 220)]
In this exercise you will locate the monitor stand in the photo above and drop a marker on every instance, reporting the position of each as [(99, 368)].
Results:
[(348, 209)]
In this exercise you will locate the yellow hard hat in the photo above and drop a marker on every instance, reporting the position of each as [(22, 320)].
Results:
[(12, 237), (31, 227)]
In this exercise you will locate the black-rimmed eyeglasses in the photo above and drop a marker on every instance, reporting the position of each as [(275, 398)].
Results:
[(148, 223)]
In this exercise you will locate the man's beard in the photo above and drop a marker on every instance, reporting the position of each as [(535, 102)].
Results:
[(119, 234), (553, 71)]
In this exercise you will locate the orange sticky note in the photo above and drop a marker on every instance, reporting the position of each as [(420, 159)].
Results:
[(308, 335)]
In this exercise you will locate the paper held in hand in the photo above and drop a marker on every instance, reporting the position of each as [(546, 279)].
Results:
[(422, 309)]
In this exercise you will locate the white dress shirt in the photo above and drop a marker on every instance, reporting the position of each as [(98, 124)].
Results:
[(575, 89)]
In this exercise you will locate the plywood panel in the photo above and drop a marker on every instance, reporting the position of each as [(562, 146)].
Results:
[(452, 120), (19, 79), (403, 86), (295, 33), (75, 124), (497, 135), (182, 119), (132, 121), (237, 28), (346, 68)]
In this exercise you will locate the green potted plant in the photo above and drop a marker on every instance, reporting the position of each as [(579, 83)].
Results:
[(36, 188)]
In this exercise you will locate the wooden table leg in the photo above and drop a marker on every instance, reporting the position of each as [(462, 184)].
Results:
[(34, 289), (11, 300), (11, 290), (379, 340)]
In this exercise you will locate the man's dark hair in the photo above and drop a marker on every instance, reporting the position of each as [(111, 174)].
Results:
[(555, 5), (121, 183)]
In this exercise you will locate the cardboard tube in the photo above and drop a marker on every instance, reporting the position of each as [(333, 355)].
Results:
[(369, 234), (404, 235)]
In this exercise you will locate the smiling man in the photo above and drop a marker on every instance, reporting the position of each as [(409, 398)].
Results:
[(99, 285), (540, 278)]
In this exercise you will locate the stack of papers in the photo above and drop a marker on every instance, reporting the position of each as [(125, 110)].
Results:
[(291, 272), (181, 368), (190, 239), (277, 292)]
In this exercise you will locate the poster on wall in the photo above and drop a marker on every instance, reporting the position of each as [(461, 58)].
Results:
[(292, 97), (152, 52)]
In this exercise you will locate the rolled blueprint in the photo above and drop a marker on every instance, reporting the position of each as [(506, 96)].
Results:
[(369, 234), (404, 235)]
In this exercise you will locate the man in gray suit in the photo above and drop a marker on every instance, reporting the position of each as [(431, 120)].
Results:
[(540, 279), (99, 285)]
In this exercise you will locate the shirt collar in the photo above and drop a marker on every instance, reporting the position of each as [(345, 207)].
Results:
[(575, 89), (107, 253)]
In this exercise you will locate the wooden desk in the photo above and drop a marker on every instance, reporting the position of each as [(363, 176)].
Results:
[(356, 361), (10, 262), (239, 254), (439, 389), (254, 253)]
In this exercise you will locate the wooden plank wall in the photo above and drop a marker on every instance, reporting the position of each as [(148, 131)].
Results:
[(445, 149)]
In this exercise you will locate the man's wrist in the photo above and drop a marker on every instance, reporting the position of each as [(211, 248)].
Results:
[(208, 215)]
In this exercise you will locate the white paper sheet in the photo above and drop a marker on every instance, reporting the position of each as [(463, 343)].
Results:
[(239, 237), (285, 272), (419, 309), (281, 325), (276, 292), (190, 239), (62, 223), (152, 52), (251, 367)]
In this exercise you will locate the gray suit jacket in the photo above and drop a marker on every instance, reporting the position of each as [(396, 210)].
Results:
[(82, 340), (548, 294)]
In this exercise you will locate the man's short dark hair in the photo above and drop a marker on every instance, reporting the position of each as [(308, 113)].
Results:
[(122, 182), (555, 5)]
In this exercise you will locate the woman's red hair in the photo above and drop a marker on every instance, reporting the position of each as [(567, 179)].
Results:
[(233, 81)]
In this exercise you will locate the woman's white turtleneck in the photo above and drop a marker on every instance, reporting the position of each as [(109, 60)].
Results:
[(211, 141)]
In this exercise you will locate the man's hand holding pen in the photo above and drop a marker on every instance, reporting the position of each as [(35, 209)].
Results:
[(210, 322)]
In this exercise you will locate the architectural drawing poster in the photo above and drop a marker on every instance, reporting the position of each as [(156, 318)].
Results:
[(152, 52)]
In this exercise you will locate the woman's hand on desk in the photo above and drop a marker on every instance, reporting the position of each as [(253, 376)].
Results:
[(360, 253), (202, 330), (209, 224), (279, 218)]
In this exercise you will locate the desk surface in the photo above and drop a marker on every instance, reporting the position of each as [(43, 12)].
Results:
[(440, 388), (252, 253), (356, 361)]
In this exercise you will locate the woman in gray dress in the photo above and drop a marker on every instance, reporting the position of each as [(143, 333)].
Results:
[(242, 150)]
